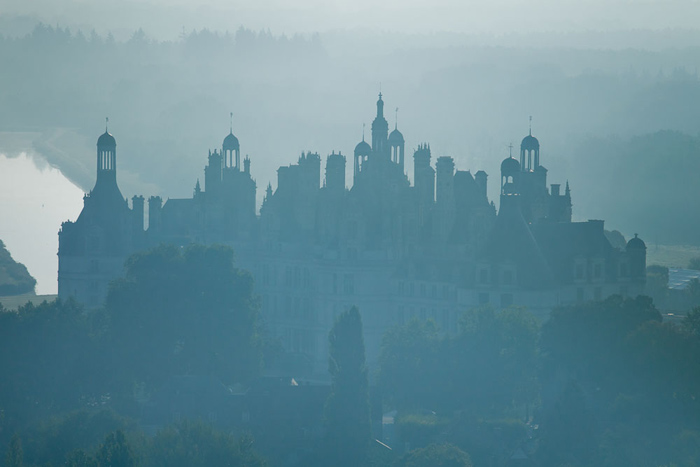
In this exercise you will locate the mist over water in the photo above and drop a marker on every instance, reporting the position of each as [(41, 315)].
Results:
[(34, 199)]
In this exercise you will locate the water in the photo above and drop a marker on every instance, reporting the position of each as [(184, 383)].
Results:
[(35, 199)]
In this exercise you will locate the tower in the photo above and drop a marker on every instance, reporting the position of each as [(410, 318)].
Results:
[(231, 150), (106, 158), (335, 172), (362, 153), (380, 131), (396, 145), (529, 152), (510, 176)]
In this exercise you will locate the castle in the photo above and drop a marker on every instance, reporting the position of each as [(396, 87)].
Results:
[(396, 250)]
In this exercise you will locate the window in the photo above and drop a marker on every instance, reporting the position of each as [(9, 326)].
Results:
[(508, 277), (623, 269), (94, 265), (335, 283), (402, 288), (597, 293), (579, 271), (402, 317), (411, 289), (422, 315), (597, 270), (288, 276), (484, 276), (266, 275), (484, 298), (422, 290), (349, 284), (506, 300), (433, 291), (307, 278), (579, 294)]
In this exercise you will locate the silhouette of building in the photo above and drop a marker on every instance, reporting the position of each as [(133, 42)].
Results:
[(396, 250)]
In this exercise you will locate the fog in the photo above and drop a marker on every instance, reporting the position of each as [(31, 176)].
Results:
[(404, 302)]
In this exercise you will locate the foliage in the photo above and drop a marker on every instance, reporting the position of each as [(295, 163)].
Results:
[(183, 311), (436, 455), (347, 412), (47, 362), (63, 436), (196, 444), (14, 456), (408, 362), (116, 452), (14, 277), (418, 429), (694, 263)]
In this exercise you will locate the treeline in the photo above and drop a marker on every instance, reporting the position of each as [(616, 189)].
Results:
[(67, 374), (599, 384), (650, 180)]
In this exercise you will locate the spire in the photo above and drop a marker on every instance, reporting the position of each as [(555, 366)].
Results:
[(106, 124), (530, 125), (396, 119), (568, 191), (380, 106), (231, 123), (363, 132), (510, 150)]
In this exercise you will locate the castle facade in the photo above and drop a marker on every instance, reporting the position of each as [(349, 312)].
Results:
[(397, 250)]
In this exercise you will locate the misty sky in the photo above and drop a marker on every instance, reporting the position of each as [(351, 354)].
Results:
[(166, 18)]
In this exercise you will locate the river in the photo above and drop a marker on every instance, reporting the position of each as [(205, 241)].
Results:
[(35, 199)]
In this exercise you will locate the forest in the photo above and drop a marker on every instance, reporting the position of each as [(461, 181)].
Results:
[(604, 383)]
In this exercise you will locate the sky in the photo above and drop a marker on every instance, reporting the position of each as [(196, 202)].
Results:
[(166, 19)]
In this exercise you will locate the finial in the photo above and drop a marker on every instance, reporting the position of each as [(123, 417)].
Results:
[(363, 132), (106, 124), (231, 124), (510, 150), (396, 119), (530, 125)]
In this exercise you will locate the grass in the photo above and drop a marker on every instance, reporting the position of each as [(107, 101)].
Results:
[(672, 256)]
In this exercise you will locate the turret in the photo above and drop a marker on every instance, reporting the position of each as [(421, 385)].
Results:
[(424, 175), (155, 206), (380, 131), (637, 252), (335, 172), (231, 149), (137, 203), (445, 180), (481, 181)]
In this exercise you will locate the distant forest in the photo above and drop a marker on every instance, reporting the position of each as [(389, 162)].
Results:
[(616, 123)]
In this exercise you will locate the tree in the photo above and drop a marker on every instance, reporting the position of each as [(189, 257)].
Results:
[(116, 452), (436, 455), (197, 444), (347, 413), (694, 263), (14, 456), (408, 362), (183, 311)]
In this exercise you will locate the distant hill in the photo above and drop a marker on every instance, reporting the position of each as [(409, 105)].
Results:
[(14, 277)]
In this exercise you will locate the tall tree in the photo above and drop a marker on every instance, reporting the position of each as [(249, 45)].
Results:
[(183, 311), (116, 452), (347, 412), (14, 456)]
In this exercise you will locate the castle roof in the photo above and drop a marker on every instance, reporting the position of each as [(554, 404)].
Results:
[(231, 142), (106, 140)]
